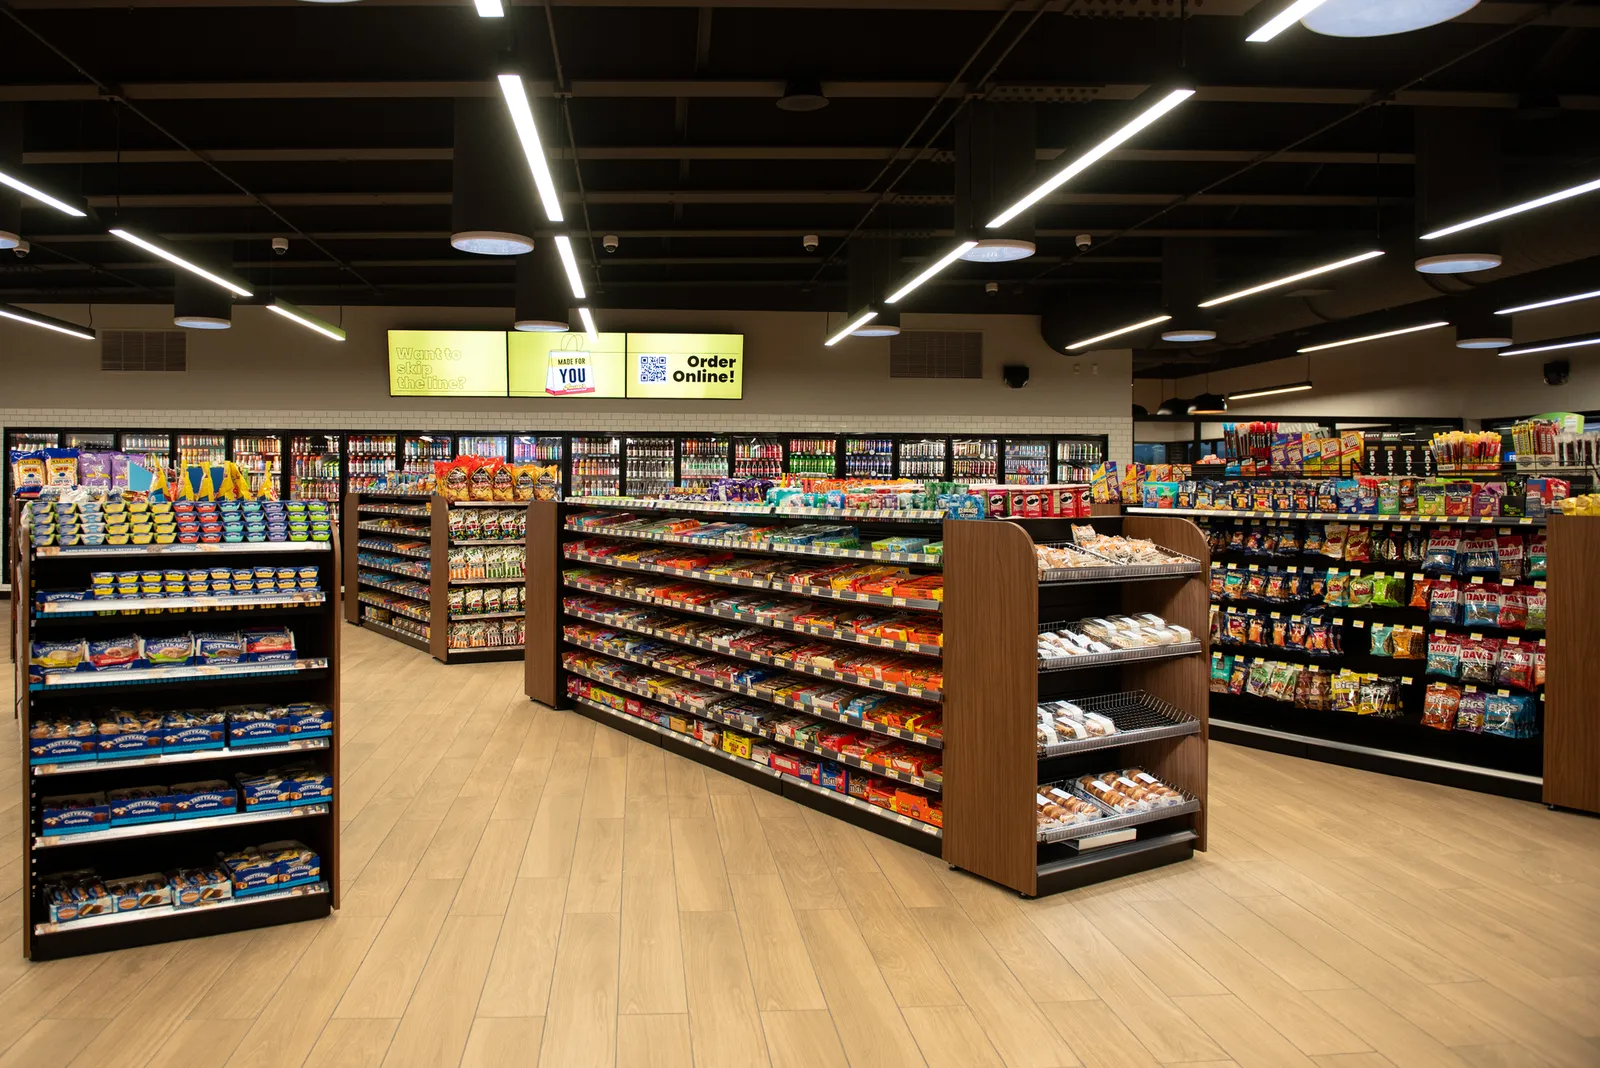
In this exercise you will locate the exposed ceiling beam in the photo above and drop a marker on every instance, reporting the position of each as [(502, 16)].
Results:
[(719, 235), (679, 152), (729, 196), (765, 90)]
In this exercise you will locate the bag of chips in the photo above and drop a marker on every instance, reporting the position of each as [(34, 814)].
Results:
[(1443, 547), (1536, 602), (1478, 659), (1480, 606), (1516, 666), (1334, 536), (1444, 600), (1409, 643), (1469, 712), (1440, 703), (1479, 556), (1360, 591), (1508, 549), (1536, 556), (1388, 591), (1358, 545), (1420, 588), (1382, 639), (1509, 716), (1513, 610), (1337, 592), (1444, 656)]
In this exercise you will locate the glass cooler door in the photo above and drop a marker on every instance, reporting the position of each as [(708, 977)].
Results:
[(649, 466), (924, 458), (975, 460), (1027, 461), (1076, 459), (702, 460), (814, 457), (260, 458), (534, 449), (484, 446), (314, 469), (422, 450), (757, 457), (596, 465), (371, 457), (874, 457)]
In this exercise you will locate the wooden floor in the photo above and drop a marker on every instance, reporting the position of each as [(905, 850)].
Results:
[(523, 887)]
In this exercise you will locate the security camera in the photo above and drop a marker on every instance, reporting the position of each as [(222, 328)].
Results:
[(811, 242), (1556, 372), (1083, 241), (22, 249), (611, 241), (991, 288), (280, 245)]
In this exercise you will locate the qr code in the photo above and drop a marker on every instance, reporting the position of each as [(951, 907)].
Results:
[(652, 368)]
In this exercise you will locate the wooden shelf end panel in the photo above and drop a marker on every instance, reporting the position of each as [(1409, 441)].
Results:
[(542, 604), (991, 679), (1572, 673)]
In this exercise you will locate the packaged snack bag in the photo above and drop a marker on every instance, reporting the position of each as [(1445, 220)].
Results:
[(503, 480), (61, 467), (480, 477), (27, 471)]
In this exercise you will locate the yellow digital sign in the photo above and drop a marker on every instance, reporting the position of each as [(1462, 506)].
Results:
[(567, 365), (701, 366), (447, 363)]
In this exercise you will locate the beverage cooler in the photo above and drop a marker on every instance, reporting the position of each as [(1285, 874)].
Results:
[(1027, 461), (421, 451), (814, 457), (93, 440), (702, 459), (371, 457), (152, 449), (757, 457), (1077, 457), (260, 458), (975, 459), (201, 450), (483, 446), (314, 469), (649, 463), (925, 458), (536, 449), (874, 457), (596, 465)]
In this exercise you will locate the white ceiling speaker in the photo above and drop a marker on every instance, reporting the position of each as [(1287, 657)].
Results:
[(1380, 18)]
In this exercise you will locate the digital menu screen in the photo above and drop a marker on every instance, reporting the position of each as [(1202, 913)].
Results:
[(567, 365), (447, 363), (696, 366)]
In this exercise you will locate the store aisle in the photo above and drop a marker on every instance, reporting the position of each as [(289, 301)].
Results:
[(521, 881)]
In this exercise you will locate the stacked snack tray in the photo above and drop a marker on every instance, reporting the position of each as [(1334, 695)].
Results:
[(116, 736), (854, 762), (65, 526), (874, 457), (149, 587), (813, 456)]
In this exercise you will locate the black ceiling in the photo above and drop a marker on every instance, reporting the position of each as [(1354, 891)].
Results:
[(332, 124)]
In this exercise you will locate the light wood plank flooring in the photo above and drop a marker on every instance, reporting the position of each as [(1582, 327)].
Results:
[(525, 888)]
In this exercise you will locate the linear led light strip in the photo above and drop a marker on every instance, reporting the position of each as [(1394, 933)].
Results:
[(44, 198), (48, 323), (490, 9), (570, 262), (1372, 337), (179, 261), (1118, 332), (1516, 209), (944, 261), (1551, 348), (306, 319), (528, 133), (588, 325), (1282, 20), (862, 320), (1083, 162), (1269, 391), (1275, 283), (1551, 303)]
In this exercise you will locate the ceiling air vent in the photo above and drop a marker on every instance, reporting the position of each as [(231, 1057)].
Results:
[(936, 354), (144, 350)]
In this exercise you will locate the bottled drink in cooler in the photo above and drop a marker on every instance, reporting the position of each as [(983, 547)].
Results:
[(870, 457), (757, 458)]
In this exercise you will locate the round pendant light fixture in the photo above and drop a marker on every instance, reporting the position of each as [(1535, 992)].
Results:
[(1174, 406), (885, 324), (802, 94), (1184, 333), (1483, 342), (999, 250), (541, 306), (1209, 404), (1459, 263), (1380, 18), (492, 242), (198, 305)]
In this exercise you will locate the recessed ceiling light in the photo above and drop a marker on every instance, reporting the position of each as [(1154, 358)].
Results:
[(491, 242), (516, 95), (48, 322), (850, 328), (1379, 18), (1150, 114), (928, 272), (1372, 337), (1284, 19), (1119, 331), (999, 250), (1552, 302), (1187, 333), (1291, 279), (44, 198), (178, 261), (1580, 343), (1516, 209), (306, 319), (1270, 391), (1458, 263)]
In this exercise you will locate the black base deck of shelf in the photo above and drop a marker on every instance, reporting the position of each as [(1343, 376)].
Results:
[(1384, 761), (486, 655), (192, 923), (397, 635), (1113, 862), (777, 784)]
